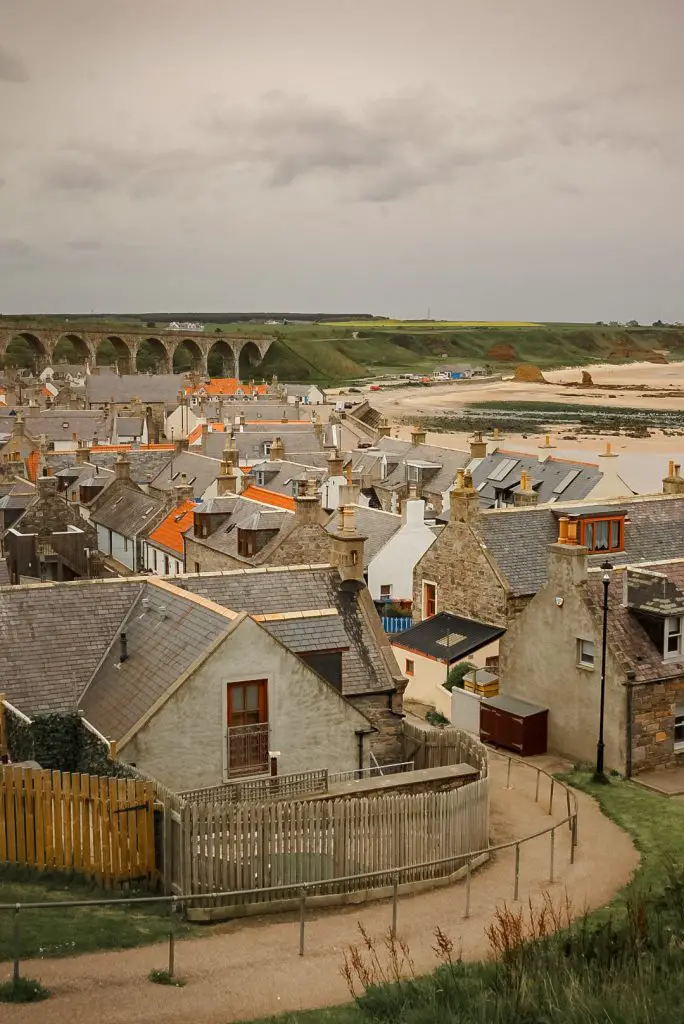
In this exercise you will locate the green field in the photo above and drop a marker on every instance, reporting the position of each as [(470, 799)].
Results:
[(337, 352)]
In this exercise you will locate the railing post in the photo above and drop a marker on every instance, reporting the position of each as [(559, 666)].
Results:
[(467, 903), (172, 939), (536, 792), (517, 871), (508, 774), (572, 840), (302, 911), (17, 942), (553, 845), (551, 796), (395, 895)]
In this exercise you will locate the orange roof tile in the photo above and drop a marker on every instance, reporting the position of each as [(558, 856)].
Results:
[(226, 386), (195, 434), (132, 448), (269, 497), (170, 531)]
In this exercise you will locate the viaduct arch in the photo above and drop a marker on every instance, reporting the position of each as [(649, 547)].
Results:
[(88, 340)]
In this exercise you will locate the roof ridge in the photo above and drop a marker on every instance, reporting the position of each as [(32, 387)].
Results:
[(204, 602)]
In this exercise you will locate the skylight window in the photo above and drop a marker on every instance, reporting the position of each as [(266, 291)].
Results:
[(566, 481), (450, 639), (503, 469)]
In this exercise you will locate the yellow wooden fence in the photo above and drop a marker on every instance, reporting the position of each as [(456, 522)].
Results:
[(102, 828)]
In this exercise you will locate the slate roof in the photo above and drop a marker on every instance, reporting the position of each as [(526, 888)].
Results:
[(439, 469), (62, 424), (303, 588), (447, 637), (372, 523), (201, 472), (129, 426), (518, 539), (280, 474), (553, 479), (303, 636), (297, 438), (4, 573), (52, 637), (150, 388), (145, 465), (241, 512), (127, 511), (166, 633)]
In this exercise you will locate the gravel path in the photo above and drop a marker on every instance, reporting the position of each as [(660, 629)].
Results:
[(252, 969)]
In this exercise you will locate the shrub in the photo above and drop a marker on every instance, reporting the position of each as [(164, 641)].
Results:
[(457, 675), (22, 990), (436, 718), (162, 977)]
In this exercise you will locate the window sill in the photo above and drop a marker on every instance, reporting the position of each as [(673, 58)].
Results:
[(586, 668)]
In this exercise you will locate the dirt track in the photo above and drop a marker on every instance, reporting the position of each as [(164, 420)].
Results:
[(253, 970)]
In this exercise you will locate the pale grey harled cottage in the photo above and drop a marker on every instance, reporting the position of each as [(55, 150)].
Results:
[(206, 678)]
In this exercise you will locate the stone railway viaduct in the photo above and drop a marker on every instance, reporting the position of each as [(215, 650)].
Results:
[(87, 341)]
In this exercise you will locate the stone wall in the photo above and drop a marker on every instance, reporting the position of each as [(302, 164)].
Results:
[(466, 581), (653, 722), (387, 743)]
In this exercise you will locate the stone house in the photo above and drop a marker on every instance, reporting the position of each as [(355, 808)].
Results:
[(50, 540), (123, 515), (487, 564), (211, 677), (201, 473), (551, 656)]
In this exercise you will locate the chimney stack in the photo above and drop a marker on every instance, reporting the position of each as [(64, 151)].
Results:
[(308, 505), (417, 436), (478, 446), (464, 499), (227, 480), (347, 546), (384, 429), (609, 453), (335, 463), (317, 426), (567, 559), (122, 468), (673, 483), (205, 435), (349, 491), (82, 452), (46, 485), (527, 494), (19, 425), (277, 452), (183, 490)]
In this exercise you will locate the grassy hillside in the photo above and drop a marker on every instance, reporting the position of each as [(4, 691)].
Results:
[(336, 352)]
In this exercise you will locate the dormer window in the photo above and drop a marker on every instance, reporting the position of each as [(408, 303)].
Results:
[(673, 638), (266, 448), (413, 474), (603, 534)]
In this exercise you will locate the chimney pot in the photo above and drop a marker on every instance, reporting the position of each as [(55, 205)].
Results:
[(572, 531), (123, 647), (563, 530)]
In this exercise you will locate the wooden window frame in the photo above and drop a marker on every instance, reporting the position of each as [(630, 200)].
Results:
[(593, 520), (410, 671), (264, 683), (426, 603)]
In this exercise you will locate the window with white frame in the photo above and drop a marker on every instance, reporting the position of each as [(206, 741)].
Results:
[(679, 727), (673, 637), (585, 653), (385, 591)]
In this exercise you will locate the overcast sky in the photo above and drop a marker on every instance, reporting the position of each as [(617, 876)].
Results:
[(485, 159)]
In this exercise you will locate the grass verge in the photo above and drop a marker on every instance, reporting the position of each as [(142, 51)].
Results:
[(623, 963), (23, 990), (65, 932)]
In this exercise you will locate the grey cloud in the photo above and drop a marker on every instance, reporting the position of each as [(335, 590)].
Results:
[(77, 177), (12, 68), (14, 250)]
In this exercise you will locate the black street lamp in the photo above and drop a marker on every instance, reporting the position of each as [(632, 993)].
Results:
[(606, 566)]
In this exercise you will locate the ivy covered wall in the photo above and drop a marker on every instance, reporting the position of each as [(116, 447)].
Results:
[(61, 742)]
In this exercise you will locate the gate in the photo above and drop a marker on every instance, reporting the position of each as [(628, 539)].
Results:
[(101, 827)]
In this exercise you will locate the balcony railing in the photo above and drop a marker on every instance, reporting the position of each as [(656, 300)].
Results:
[(248, 749)]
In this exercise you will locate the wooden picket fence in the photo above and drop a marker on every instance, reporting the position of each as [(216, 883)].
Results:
[(232, 847), (435, 748), (102, 828)]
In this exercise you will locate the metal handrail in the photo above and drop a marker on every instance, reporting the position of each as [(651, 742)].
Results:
[(304, 887)]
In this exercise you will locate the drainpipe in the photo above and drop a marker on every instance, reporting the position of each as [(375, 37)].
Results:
[(630, 730), (360, 733)]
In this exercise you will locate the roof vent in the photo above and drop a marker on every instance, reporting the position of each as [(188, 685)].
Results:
[(123, 648)]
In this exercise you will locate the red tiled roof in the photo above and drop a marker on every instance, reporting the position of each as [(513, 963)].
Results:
[(195, 434), (132, 448), (227, 386), (170, 531), (269, 497)]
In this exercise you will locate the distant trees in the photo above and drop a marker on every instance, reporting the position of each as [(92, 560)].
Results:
[(632, 323)]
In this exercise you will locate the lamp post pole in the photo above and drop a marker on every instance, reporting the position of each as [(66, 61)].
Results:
[(600, 745)]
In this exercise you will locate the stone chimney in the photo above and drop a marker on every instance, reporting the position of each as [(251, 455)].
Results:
[(46, 486), (527, 494), (478, 446), (183, 490), (283, 418), (205, 435), (347, 546), (413, 509), (241, 420), (308, 505), (417, 436), (227, 480), (277, 452), (82, 452), (297, 405), (464, 500), (349, 491), (181, 445), (19, 429), (122, 468), (317, 426), (567, 559), (673, 483), (335, 462), (384, 429)]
